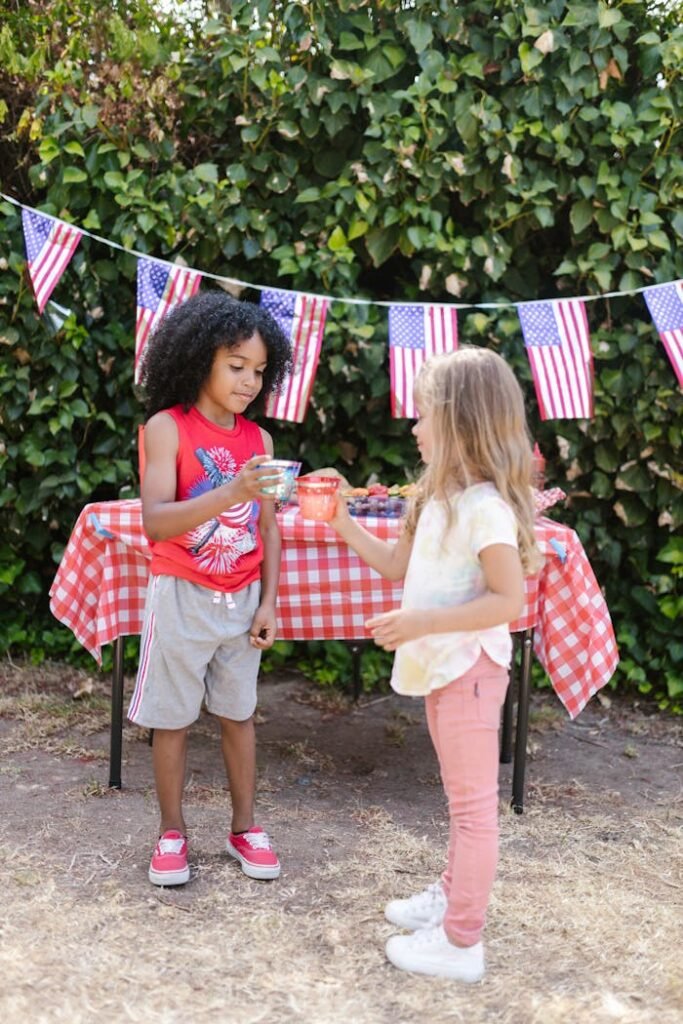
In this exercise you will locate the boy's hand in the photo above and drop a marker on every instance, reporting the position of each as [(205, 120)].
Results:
[(263, 629), (392, 629), (252, 478)]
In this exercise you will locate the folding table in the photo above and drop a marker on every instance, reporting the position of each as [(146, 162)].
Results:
[(326, 593)]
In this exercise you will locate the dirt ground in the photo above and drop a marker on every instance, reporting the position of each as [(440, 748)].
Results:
[(585, 925)]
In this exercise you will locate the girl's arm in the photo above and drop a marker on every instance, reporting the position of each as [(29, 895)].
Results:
[(263, 627), (162, 515), (502, 602), (389, 560)]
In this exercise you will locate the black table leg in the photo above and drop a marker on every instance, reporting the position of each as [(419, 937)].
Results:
[(506, 726), (116, 715), (356, 656), (519, 767)]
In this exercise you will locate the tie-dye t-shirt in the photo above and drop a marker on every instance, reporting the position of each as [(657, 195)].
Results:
[(445, 570), (224, 553)]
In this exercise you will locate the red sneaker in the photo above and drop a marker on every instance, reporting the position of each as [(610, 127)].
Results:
[(254, 852), (169, 861)]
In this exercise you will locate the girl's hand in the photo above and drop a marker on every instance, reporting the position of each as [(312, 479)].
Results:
[(250, 480), (263, 628), (392, 629), (341, 516)]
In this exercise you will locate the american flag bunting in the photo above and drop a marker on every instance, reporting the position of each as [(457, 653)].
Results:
[(302, 318), (558, 345), (161, 286), (416, 332), (666, 309), (50, 244)]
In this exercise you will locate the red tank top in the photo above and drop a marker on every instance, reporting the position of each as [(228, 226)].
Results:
[(224, 553)]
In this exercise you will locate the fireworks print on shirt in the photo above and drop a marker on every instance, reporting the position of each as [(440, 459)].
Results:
[(219, 543)]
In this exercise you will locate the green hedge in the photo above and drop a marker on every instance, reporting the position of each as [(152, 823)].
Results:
[(487, 152)]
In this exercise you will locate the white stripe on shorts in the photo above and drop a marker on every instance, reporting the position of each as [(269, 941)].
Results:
[(144, 659)]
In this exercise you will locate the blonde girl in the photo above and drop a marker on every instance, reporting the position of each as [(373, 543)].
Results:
[(467, 543)]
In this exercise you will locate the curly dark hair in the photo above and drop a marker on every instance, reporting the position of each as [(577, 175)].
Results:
[(180, 352)]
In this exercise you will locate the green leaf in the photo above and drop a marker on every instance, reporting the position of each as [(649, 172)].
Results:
[(381, 243), (659, 240), (420, 34), (71, 175), (606, 457), (472, 64), (207, 173), (346, 70), (48, 149), (601, 485), (278, 182), (357, 228), (288, 129), (604, 277), (529, 57), (114, 180), (309, 195), (396, 55), (608, 16), (631, 511), (146, 221), (348, 41), (237, 174), (90, 115), (634, 478), (672, 552), (337, 240)]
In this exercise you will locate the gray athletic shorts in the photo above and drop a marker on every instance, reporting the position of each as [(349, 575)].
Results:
[(194, 648)]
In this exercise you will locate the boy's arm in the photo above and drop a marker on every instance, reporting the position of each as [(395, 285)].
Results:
[(162, 515), (263, 626)]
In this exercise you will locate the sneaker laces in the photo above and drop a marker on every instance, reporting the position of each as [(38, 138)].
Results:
[(428, 897), (258, 840), (429, 936), (170, 845)]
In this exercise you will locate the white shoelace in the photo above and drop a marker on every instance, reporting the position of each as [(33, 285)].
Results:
[(170, 845), (436, 936), (258, 840), (429, 896), (428, 936)]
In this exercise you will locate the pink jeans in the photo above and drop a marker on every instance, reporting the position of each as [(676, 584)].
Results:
[(463, 720)]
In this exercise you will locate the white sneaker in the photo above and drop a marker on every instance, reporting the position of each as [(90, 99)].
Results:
[(424, 910), (428, 951)]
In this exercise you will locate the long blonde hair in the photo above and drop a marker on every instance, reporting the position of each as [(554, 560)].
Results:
[(479, 433)]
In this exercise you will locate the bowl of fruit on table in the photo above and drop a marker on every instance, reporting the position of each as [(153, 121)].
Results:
[(378, 500)]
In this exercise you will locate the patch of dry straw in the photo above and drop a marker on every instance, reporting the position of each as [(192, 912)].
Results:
[(584, 927)]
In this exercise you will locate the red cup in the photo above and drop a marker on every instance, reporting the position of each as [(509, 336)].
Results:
[(317, 496)]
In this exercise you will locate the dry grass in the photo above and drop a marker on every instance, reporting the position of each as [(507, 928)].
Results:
[(585, 924)]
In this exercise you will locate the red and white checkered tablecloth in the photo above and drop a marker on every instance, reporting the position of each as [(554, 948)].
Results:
[(326, 592)]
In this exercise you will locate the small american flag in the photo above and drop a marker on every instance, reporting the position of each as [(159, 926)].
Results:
[(50, 244), (160, 287), (416, 332), (558, 344), (302, 318), (666, 309)]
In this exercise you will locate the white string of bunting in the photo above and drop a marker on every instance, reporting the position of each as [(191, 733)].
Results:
[(555, 331)]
